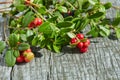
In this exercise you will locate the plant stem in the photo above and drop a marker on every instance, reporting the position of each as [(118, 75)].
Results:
[(18, 28), (67, 2), (38, 13), (115, 7)]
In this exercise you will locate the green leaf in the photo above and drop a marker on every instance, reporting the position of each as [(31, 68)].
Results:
[(16, 53), (23, 46), (62, 9), (20, 7), (96, 15), (42, 10), (35, 41), (82, 24), (93, 2), (2, 46), (117, 30), (49, 46), (13, 23), (53, 19), (13, 39), (69, 18), (65, 30), (85, 5), (23, 37), (18, 2), (71, 35), (108, 5), (48, 28), (60, 17), (94, 32), (27, 18), (56, 48), (104, 31), (116, 21), (64, 24), (10, 59), (29, 33)]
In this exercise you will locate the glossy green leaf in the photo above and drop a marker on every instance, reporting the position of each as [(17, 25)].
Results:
[(53, 19), (28, 17), (2, 46), (29, 33), (62, 9), (16, 53), (56, 48), (10, 59), (48, 28), (42, 10), (64, 24), (82, 24), (117, 30), (23, 37), (20, 7), (116, 21), (85, 5), (93, 32), (96, 15), (104, 31), (71, 35), (13, 39), (93, 2), (23, 46), (60, 17), (108, 5), (35, 41)]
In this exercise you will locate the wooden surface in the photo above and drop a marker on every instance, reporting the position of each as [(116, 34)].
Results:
[(101, 62)]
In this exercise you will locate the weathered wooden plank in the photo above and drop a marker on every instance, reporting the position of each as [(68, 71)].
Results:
[(5, 72), (101, 62), (38, 69)]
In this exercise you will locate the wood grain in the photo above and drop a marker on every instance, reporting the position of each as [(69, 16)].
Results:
[(101, 62)]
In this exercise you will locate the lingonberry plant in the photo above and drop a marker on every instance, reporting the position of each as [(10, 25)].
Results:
[(53, 24)]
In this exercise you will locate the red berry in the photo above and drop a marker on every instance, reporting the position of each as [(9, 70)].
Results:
[(31, 25), (20, 59), (27, 2), (83, 49), (73, 40), (69, 12), (26, 60), (85, 44), (37, 21), (80, 36), (28, 50), (80, 45), (18, 43), (88, 41)]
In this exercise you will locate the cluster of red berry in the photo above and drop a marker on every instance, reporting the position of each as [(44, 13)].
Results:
[(80, 42), (35, 23), (25, 56)]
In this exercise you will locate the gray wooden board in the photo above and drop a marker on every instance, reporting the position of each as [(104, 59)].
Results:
[(101, 62)]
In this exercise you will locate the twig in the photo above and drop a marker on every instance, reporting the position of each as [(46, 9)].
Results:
[(38, 13), (2, 11), (115, 7), (4, 32), (6, 2)]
